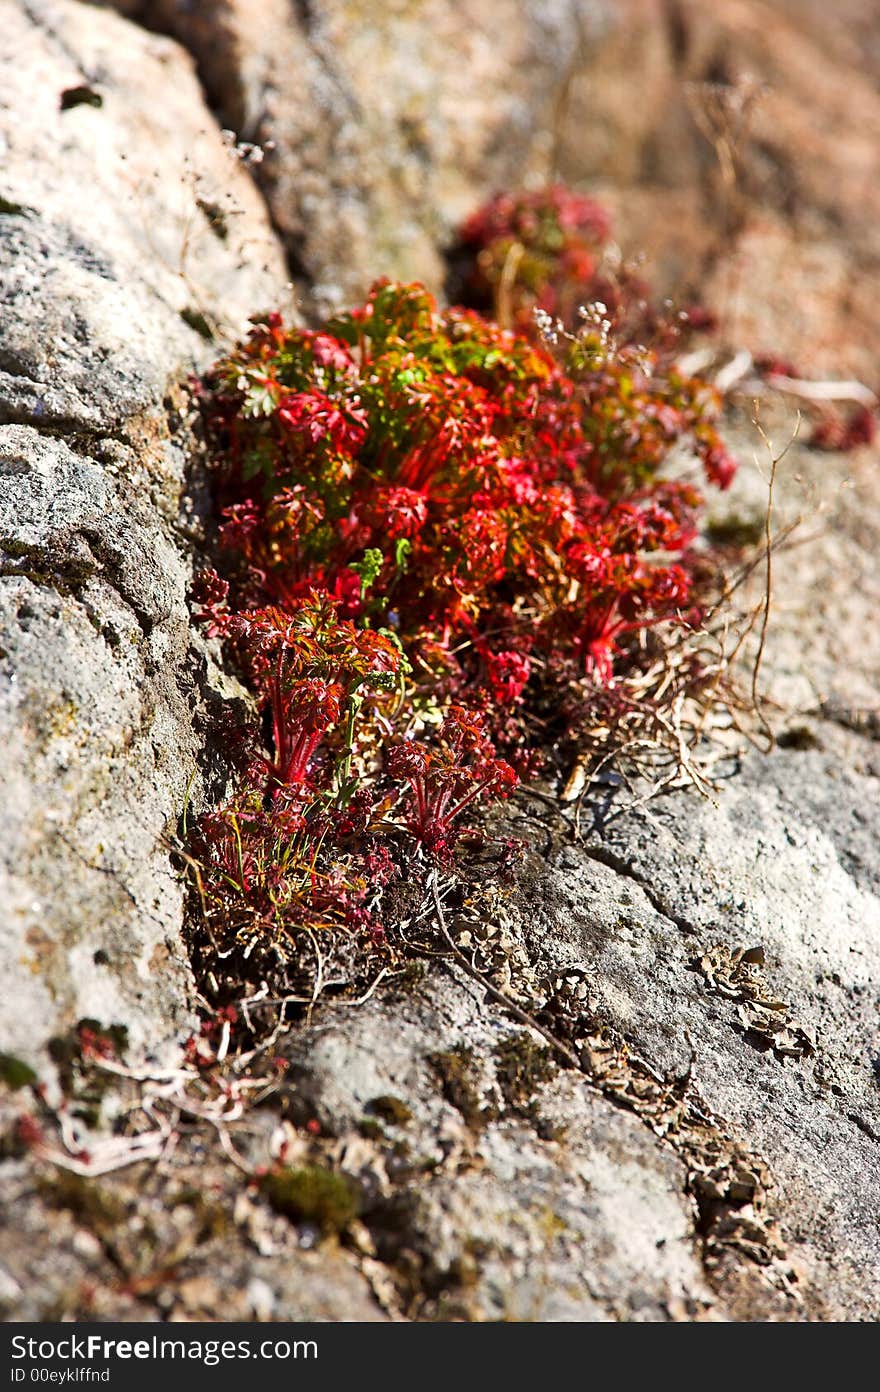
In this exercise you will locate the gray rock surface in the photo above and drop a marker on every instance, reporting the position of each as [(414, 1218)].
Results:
[(648, 912), (184, 1250), (786, 861), (108, 257), (563, 1208)]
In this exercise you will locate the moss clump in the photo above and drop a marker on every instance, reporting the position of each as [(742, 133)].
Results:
[(458, 1082), (409, 978), (91, 1205), (521, 1066), (198, 322), (313, 1194), (15, 1073), (212, 1219), (737, 530), (371, 1129), (799, 737), (390, 1109), (66, 574)]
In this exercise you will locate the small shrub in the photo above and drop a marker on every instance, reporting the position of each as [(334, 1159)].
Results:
[(440, 542), (541, 258), (457, 1073)]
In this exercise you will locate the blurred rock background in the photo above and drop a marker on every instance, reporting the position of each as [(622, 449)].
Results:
[(736, 142)]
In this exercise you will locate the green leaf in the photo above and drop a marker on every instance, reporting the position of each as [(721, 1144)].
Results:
[(369, 568), (15, 1073), (260, 400), (405, 664)]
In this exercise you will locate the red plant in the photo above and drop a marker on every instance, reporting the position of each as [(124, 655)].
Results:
[(538, 259), (549, 250), (309, 667), (448, 776), (29, 1134), (535, 250), (480, 468), (434, 531), (833, 432)]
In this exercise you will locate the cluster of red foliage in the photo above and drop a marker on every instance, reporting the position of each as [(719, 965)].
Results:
[(539, 250), (540, 257), (832, 429), (547, 252), (836, 432), (550, 250), (433, 530)]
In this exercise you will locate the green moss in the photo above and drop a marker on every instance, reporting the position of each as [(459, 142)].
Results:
[(390, 1109), (313, 1194), (80, 96), (521, 1066), (15, 1073), (736, 530), (410, 977), (371, 1129), (459, 1084), (93, 1206), (65, 575), (197, 321), (211, 1218)]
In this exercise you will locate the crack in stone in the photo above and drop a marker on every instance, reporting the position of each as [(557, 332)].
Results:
[(658, 902)]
